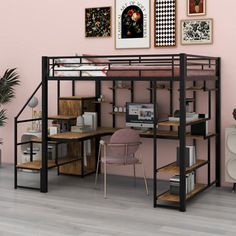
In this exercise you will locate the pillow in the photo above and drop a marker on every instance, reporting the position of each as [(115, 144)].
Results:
[(96, 60), (68, 62)]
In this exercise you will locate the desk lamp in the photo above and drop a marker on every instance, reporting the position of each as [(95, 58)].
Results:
[(32, 104)]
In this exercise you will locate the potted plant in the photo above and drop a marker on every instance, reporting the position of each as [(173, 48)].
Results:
[(196, 5), (7, 92)]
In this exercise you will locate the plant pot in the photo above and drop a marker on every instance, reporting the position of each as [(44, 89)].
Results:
[(197, 8)]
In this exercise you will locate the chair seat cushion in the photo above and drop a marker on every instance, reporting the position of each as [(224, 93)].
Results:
[(120, 160)]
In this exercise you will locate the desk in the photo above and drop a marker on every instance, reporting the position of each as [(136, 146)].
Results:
[(76, 149), (70, 136)]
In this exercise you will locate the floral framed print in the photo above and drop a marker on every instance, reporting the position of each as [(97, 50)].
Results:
[(196, 7), (165, 23), (132, 24), (197, 31), (98, 22)]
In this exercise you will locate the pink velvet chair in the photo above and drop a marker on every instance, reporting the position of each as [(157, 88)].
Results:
[(121, 151)]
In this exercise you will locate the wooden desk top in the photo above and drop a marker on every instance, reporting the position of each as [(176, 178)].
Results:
[(76, 136)]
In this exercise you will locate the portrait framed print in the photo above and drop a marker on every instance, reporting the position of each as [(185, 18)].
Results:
[(197, 31), (165, 23), (98, 22), (196, 7), (132, 24)]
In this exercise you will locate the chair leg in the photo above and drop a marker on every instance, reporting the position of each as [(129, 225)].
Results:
[(144, 175), (134, 175), (105, 180), (99, 153)]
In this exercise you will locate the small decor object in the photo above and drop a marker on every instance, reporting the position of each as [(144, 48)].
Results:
[(80, 121), (196, 7), (197, 31), (32, 104), (234, 113), (132, 24), (98, 22), (165, 23)]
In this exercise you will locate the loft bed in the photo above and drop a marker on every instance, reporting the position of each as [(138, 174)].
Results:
[(145, 66), (197, 70)]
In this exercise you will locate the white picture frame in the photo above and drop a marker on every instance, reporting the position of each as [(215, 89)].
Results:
[(132, 28)]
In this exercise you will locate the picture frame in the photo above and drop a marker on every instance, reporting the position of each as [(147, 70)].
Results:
[(98, 22), (197, 31), (165, 23), (132, 24), (196, 7)]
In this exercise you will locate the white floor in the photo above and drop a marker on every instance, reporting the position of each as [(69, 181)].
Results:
[(74, 207)]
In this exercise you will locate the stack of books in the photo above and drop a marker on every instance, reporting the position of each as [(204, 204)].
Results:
[(190, 156), (190, 116), (175, 183)]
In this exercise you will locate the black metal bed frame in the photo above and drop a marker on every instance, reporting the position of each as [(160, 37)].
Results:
[(181, 61)]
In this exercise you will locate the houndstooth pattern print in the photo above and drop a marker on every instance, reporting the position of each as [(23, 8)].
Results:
[(165, 23)]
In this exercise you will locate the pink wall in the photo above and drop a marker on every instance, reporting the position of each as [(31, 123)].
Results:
[(31, 29)]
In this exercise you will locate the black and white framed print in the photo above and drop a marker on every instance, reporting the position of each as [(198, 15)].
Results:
[(132, 24), (165, 23), (197, 31), (98, 22)]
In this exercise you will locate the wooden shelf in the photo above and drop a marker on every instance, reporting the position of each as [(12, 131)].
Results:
[(174, 135), (174, 169), (106, 102), (118, 113), (177, 123), (124, 87), (175, 198), (200, 88), (195, 88), (200, 137), (37, 164), (62, 117), (161, 87)]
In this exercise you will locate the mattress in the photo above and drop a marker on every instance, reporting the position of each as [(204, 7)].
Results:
[(74, 68), (154, 71)]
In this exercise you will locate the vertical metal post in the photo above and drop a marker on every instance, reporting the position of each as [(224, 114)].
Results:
[(132, 91), (151, 91), (194, 98), (98, 110), (114, 103), (44, 169), (73, 87), (218, 124), (15, 153), (58, 95), (31, 151), (97, 95), (182, 131), (209, 104), (209, 161), (82, 159), (154, 99)]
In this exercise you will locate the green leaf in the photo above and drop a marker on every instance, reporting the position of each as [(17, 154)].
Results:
[(3, 117), (7, 83)]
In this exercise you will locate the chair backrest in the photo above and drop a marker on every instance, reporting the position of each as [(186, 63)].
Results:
[(126, 136)]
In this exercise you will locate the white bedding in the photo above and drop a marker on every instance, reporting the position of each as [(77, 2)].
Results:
[(87, 70)]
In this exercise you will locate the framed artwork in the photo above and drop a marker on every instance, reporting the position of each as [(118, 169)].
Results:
[(98, 22), (197, 31), (196, 7), (132, 24), (165, 23)]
